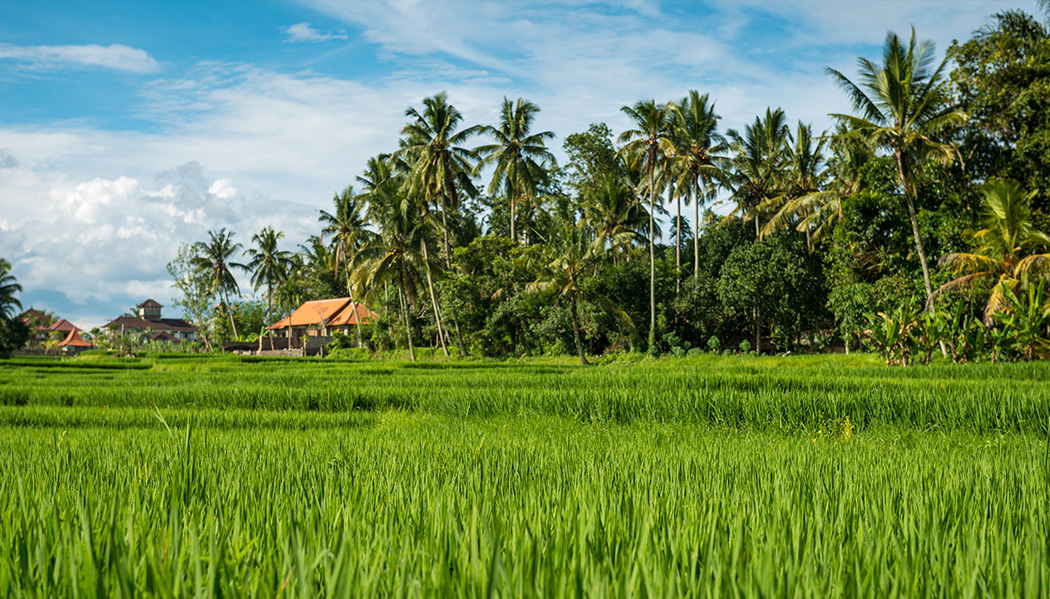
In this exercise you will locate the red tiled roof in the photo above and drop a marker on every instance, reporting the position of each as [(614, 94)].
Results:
[(280, 324), (73, 339), (64, 326)]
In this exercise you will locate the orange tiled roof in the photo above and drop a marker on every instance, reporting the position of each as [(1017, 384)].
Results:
[(334, 312), (73, 339)]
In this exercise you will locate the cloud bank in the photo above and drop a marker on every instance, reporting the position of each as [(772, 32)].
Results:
[(114, 56)]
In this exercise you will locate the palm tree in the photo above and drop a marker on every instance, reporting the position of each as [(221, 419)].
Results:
[(613, 213), (571, 255), (1004, 250), (8, 288), (394, 256), (904, 106), (819, 210), (214, 256), (520, 157), (269, 265), (348, 228), (652, 140), (697, 153), (805, 176), (432, 148), (761, 154)]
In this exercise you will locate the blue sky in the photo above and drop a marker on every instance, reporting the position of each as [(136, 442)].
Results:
[(127, 128)]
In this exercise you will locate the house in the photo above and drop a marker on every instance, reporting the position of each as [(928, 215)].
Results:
[(44, 328), (323, 318), (150, 320)]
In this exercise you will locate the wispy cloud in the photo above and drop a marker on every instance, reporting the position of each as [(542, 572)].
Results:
[(303, 32), (114, 56)]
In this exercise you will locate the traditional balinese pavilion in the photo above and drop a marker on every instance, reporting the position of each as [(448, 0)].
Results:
[(74, 343), (323, 318)]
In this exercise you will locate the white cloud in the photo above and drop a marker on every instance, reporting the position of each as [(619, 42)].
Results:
[(114, 56), (303, 32), (223, 189)]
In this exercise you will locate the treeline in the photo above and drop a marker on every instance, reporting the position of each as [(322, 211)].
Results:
[(924, 205)]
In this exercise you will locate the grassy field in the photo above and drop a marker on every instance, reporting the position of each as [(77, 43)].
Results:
[(708, 477)]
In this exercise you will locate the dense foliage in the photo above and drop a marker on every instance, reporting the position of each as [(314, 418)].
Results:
[(829, 232)]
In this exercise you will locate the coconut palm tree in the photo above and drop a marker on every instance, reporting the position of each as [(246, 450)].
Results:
[(652, 140), (439, 165), (819, 210), (8, 288), (905, 107), (214, 256), (520, 157), (1009, 251), (394, 256), (269, 265), (572, 253), (348, 230), (758, 164), (805, 175), (698, 149), (614, 214)]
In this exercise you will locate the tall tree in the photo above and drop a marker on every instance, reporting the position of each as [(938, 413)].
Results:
[(698, 149), (440, 164), (348, 228), (758, 164), (651, 139), (805, 175), (904, 106), (520, 157), (214, 256), (9, 286), (269, 264), (394, 257)]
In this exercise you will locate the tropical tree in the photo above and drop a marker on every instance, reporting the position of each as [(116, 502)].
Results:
[(698, 149), (520, 157), (904, 106), (269, 265), (9, 286), (818, 210), (394, 257), (439, 164), (214, 256), (571, 256), (805, 176), (758, 165), (651, 139), (1009, 250), (348, 230), (614, 214)]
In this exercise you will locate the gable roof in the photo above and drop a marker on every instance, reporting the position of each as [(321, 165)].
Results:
[(149, 304), (331, 312), (63, 325), (134, 323), (73, 339), (32, 313)]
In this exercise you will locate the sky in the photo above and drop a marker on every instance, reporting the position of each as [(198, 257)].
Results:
[(129, 128)]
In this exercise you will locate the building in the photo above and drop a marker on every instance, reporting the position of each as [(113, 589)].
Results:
[(73, 343), (150, 321), (323, 318)]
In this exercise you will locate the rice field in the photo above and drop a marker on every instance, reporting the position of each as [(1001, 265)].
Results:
[(709, 477)]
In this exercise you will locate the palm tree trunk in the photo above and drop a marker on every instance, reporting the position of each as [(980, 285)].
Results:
[(353, 304), (696, 231), (433, 301), (678, 249), (909, 196), (448, 266), (229, 313), (576, 329), (652, 255), (513, 231), (404, 316), (758, 331)]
